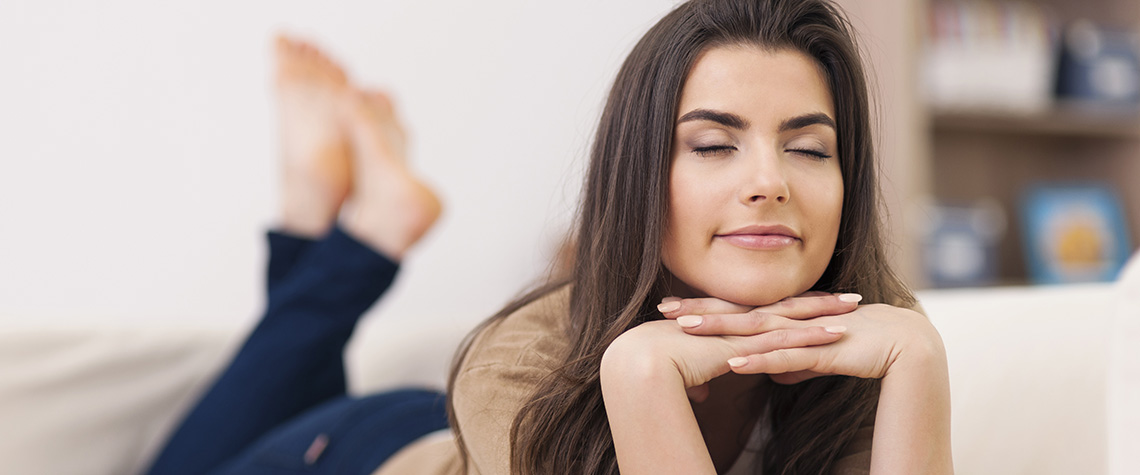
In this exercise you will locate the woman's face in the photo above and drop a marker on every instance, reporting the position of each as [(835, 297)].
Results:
[(755, 191)]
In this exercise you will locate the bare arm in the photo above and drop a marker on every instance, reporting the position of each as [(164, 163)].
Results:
[(652, 423), (912, 429), (646, 371), (900, 346)]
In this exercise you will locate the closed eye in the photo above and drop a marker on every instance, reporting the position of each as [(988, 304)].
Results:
[(814, 154), (713, 150)]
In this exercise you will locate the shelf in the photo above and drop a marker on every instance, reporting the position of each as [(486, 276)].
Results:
[(1065, 119)]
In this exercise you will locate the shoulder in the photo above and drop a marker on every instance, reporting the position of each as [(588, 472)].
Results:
[(508, 358), (534, 335), (504, 366)]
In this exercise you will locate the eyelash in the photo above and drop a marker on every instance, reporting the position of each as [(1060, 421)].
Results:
[(810, 153), (712, 151)]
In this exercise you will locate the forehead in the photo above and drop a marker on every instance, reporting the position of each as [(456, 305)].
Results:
[(756, 81)]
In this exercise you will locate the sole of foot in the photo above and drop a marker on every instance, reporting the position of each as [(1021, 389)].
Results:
[(317, 176), (389, 208)]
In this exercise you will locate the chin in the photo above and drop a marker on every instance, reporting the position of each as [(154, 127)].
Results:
[(748, 286), (756, 292), (753, 298)]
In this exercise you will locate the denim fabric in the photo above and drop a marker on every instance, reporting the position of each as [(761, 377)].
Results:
[(346, 435), (283, 395)]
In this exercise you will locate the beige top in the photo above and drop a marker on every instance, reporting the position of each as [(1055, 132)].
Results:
[(502, 369)]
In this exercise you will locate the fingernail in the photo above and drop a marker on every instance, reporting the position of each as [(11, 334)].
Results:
[(850, 298), (668, 307), (689, 321), (835, 329), (738, 361)]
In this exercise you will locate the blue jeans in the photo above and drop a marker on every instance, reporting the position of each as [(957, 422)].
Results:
[(281, 407)]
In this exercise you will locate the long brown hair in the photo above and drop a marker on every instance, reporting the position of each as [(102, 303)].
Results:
[(618, 277)]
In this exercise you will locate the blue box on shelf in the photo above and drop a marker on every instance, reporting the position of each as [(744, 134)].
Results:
[(1074, 233), (1099, 65), (960, 242)]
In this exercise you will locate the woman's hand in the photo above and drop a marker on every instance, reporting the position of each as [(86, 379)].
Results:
[(663, 346), (711, 316), (699, 360), (875, 337), (897, 345), (646, 371)]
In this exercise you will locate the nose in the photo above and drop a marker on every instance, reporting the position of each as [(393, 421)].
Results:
[(764, 180)]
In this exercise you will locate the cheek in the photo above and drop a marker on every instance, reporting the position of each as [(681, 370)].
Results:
[(834, 207), (687, 220), (826, 211), (676, 219)]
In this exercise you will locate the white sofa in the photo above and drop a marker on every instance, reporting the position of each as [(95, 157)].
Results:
[(1029, 370)]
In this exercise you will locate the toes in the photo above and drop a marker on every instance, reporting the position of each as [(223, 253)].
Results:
[(379, 102), (283, 53), (383, 107), (297, 58), (352, 105), (368, 104), (332, 69), (292, 59), (281, 44)]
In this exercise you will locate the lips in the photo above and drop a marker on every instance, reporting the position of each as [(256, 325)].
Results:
[(761, 237)]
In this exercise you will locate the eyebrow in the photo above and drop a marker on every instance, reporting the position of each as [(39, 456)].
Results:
[(726, 119), (734, 121), (799, 122)]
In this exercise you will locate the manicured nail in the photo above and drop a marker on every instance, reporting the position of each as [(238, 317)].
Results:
[(689, 321), (668, 307), (738, 361), (850, 298), (835, 329)]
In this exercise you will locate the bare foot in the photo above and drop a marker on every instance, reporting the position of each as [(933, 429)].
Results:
[(390, 208), (315, 149)]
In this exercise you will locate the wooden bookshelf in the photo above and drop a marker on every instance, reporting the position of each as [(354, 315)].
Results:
[(1063, 120), (961, 156)]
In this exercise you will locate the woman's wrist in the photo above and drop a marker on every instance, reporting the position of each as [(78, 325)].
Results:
[(922, 353), (914, 410), (624, 363), (648, 410)]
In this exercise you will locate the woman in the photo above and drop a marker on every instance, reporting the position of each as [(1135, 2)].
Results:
[(711, 322), (734, 161)]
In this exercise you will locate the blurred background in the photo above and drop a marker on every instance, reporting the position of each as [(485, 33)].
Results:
[(1027, 141), (139, 161), (139, 172)]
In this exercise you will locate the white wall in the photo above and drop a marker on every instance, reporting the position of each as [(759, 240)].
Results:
[(138, 163)]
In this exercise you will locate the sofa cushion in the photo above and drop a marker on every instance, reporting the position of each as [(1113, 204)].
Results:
[(99, 399), (1027, 376)]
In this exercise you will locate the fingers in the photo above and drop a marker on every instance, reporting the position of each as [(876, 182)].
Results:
[(804, 307), (807, 305), (743, 324), (781, 361), (782, 340), (673, 307)]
